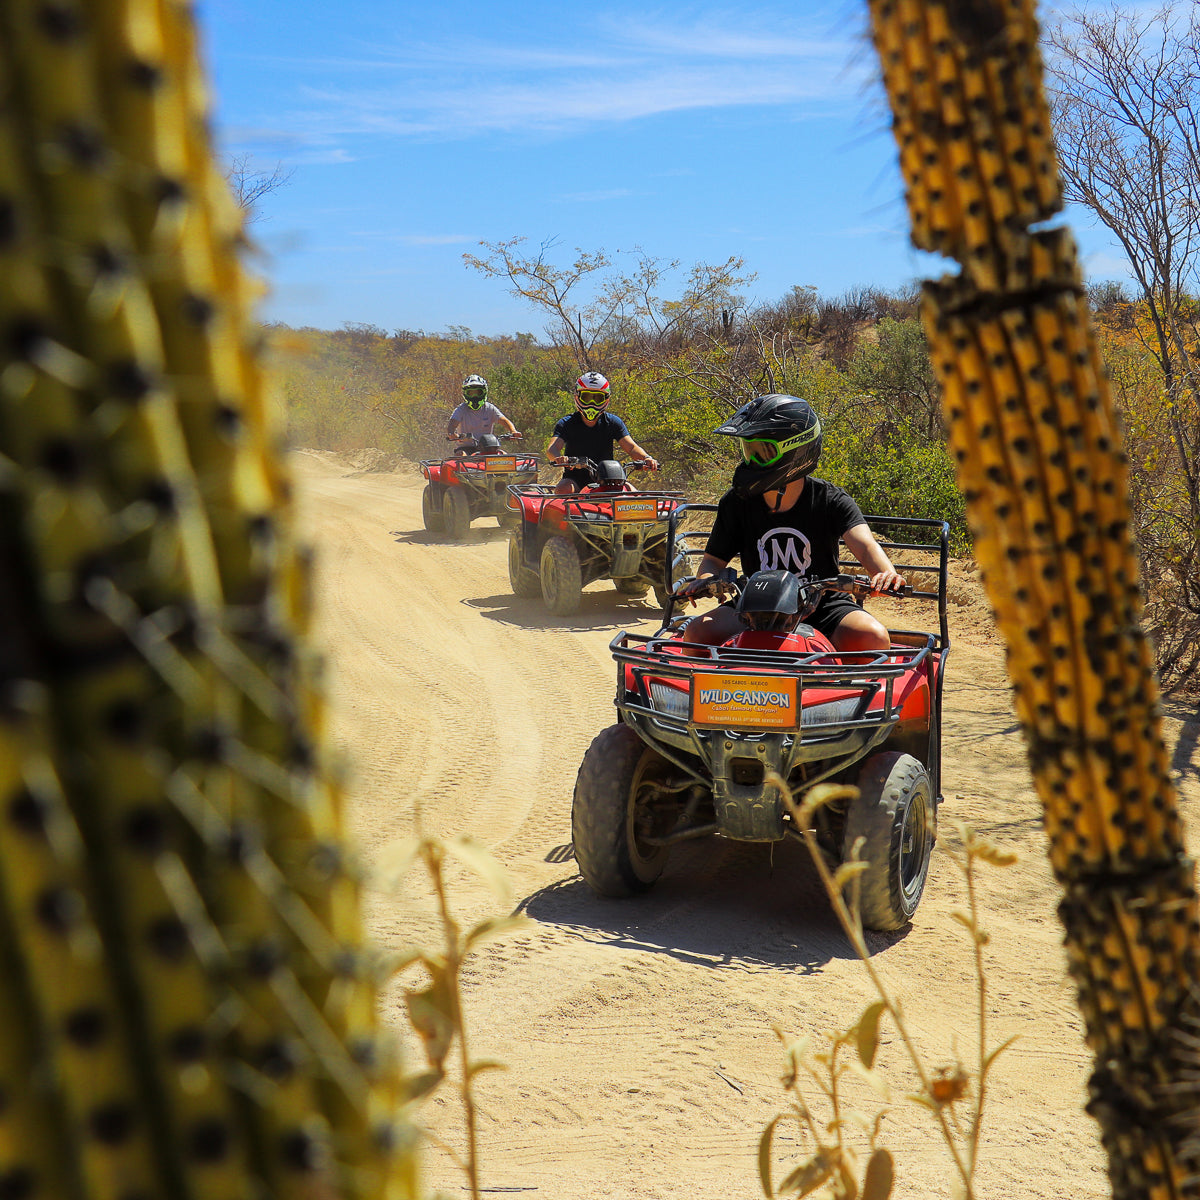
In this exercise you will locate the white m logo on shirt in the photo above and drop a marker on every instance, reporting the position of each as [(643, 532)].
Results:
[(784, 549)]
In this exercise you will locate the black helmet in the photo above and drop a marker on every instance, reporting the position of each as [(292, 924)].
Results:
[(487, 443), (781, 442)]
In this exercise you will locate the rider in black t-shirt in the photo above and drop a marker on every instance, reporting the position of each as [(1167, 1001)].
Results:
[(590, 432), (777, 516)]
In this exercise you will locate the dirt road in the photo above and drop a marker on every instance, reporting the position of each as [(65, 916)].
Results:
[(638, 1034)]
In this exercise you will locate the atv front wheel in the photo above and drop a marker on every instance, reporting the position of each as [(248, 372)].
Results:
[(614, 811), (562, 576), (431, 510), (456, 512), (523, 581), (631, 587), (895, 814), (678, 572)]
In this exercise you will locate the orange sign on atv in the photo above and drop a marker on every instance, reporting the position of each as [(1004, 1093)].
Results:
[(745, 701)]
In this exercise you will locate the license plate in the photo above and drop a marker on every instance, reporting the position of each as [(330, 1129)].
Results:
[(745, 701), (635, 508), (500, 464)]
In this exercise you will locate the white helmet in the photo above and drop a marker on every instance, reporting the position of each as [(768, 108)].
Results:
[(474, 390), (591, 394)]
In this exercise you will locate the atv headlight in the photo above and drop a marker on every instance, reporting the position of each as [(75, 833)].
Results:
[(671, 702)]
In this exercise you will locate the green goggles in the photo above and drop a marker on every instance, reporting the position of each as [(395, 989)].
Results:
[(765, 452), (474, 396)]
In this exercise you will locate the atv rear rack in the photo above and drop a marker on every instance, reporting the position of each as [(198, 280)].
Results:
[(523, 464)]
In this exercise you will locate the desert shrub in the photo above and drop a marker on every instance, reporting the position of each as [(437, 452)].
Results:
[(902, 477)]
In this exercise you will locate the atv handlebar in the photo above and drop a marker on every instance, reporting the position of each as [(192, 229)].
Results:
[(588, 464), (725, 585)]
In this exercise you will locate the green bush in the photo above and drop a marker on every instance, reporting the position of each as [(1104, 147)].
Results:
[(905, 478)]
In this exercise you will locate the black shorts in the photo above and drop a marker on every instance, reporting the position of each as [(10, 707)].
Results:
[(831, 610)]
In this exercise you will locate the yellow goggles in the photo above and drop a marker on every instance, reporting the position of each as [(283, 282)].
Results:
[(763, 452)]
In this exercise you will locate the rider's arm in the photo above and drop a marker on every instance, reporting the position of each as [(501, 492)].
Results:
[(452, 428), (555, 449), (860, 541), (503, 420), (633, 449), (710, 565)]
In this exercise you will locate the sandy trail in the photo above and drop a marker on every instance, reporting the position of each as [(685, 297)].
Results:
[(638, 1034)]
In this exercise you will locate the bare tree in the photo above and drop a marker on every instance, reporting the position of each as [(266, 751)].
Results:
[(1126, 109), (627, 309), (575, 323), (249, 185)]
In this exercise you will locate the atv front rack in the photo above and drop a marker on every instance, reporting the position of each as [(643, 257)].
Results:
[(582, 507), (825, 735)]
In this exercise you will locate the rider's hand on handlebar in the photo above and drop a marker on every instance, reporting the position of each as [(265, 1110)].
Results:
[(887, 581), (699, 588), (558, 462)]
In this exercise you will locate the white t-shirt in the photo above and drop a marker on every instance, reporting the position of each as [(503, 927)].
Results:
[(475, 422)]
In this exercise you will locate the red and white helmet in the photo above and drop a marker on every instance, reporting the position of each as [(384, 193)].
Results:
[(591, 394)]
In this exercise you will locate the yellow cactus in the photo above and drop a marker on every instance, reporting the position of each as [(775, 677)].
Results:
[(190, 1009), (1041, 465)]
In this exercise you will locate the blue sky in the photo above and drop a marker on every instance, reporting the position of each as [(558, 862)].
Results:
[(415, 131)]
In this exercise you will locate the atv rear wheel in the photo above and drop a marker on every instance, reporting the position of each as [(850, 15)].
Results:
[(562, 576), (431, 510), (612, 815), (523, 581), (456, 512), (631, 587), (895, 814)]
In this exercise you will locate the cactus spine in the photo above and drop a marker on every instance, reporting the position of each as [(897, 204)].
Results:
[(190, 1007), (1041, 464)]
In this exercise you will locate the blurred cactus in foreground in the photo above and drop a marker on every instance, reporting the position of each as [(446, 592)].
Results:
[(1041, 464), (188, 1008)]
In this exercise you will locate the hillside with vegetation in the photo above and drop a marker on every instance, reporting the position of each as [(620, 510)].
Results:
[(679, 366)]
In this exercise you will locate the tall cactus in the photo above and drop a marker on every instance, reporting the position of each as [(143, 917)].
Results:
[(187, 1006), (1041, 464)]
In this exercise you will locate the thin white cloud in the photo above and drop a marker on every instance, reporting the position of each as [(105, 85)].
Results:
[(554, 106), (652, 66), (435, 239), (416, 239), (723, 38), (593, 197), (1101, 264), (323, 158)]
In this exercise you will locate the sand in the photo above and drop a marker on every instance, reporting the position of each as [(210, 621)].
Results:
[(638, 1035)]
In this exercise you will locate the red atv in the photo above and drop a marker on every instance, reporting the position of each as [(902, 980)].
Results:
[(699, 732), (608, 530), (473, 483)]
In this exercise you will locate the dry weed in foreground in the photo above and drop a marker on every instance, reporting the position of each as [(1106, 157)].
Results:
[(435, 1010), (955, 1095)]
